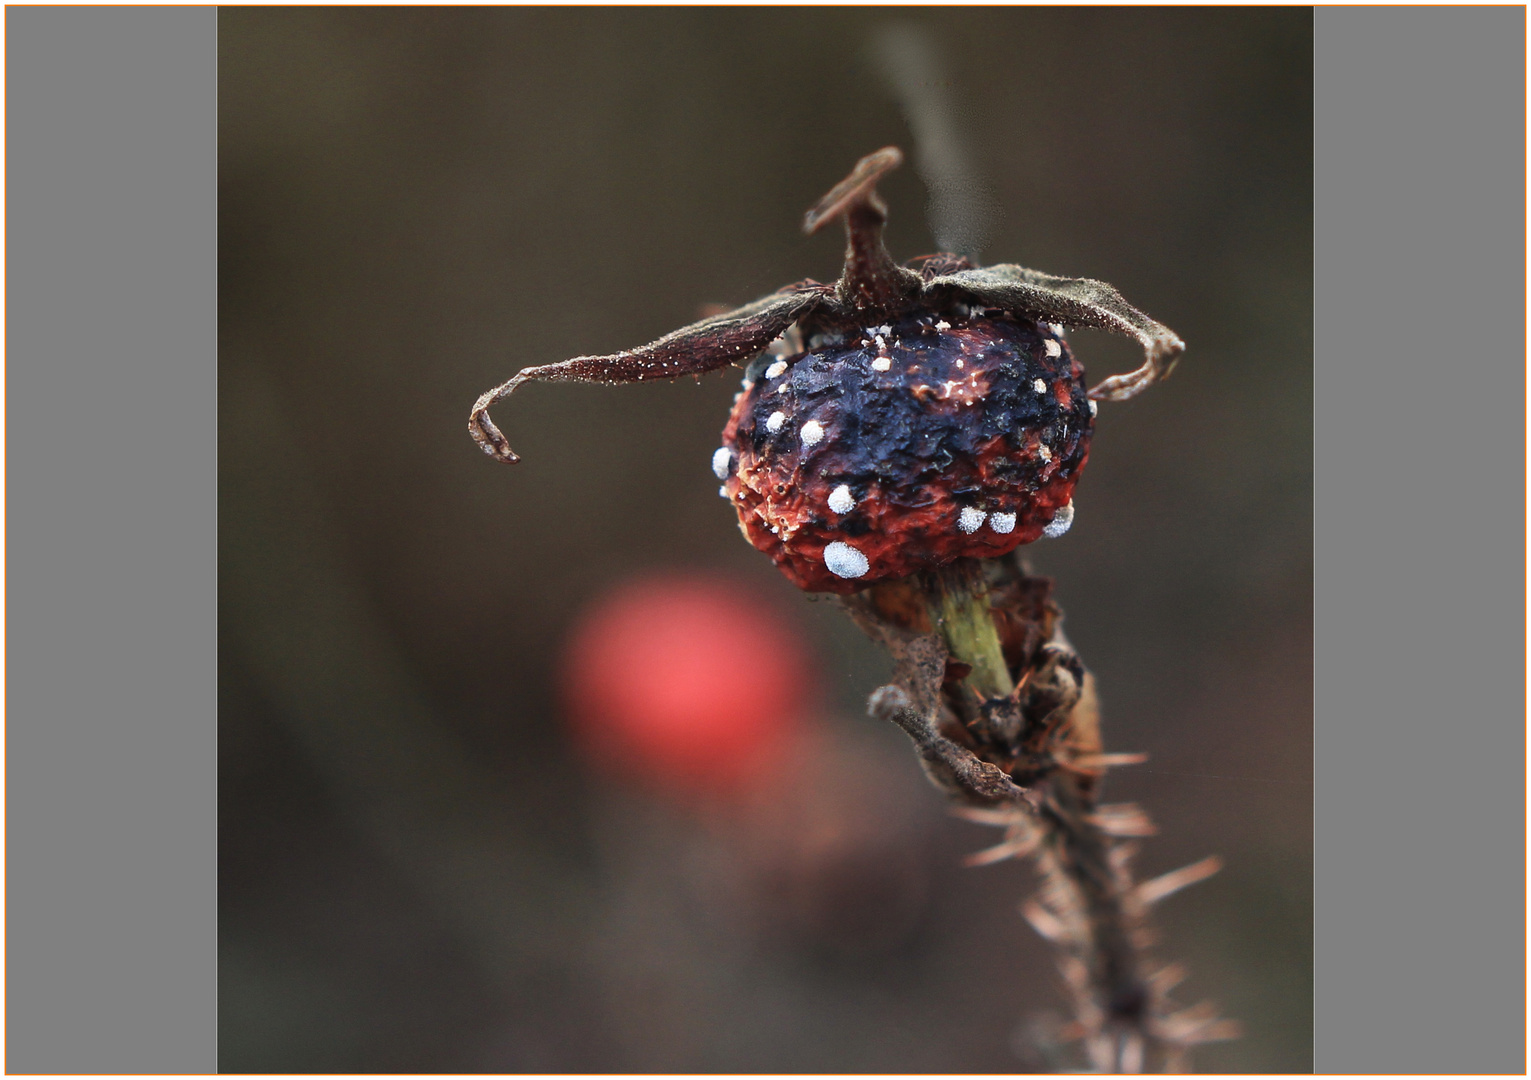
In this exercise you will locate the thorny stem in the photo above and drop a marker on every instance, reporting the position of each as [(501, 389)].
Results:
[(1014, 701), (966, 623)]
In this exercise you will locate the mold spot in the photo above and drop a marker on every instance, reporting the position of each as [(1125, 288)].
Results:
[(971, 519), (720, 460), (776, 370), (845, 561), (882, 363), (1044, 453), (1053, 349), (812, 432), (840, 500), (1039, 386), (1060, 522), (775, 421), (1002, 523), (1094, 408)]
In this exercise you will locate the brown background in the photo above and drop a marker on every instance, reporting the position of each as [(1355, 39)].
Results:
[(416, 873)]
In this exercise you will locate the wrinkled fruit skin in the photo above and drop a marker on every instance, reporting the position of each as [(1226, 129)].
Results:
[(956, 423)]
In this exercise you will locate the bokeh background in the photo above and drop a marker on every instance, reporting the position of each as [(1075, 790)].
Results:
[(420, 870)]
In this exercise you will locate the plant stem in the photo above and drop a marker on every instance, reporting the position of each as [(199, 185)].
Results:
[(961, 614)]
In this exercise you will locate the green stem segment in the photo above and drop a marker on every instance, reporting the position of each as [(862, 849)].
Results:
[(962, 615)]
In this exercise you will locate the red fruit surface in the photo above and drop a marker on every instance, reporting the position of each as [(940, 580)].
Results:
[(684, 681), (905, 447)]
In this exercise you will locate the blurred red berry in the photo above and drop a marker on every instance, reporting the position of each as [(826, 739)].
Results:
[(686, 682)]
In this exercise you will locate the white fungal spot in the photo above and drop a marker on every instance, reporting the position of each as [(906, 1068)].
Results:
[(1094, 408), (1060, 522), (812, 432), (1039, 386), (1002, 523), (943, 325), (1056, 328), (959, 361), (882, 346), (776, 369), (720, 461), (880, 331), (882, 363), (722, 492), (775, 421), (748, 384), (1053, 349), (841, 501), (845, 561), (971, 519), (1044, 453)]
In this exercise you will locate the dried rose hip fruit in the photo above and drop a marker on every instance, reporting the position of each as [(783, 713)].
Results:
[(906, 416), (906, 446)]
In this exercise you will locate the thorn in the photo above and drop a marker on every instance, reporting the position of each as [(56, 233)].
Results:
[(1121, 855), (1098, 1046), (1167, 978), (1105, 761), (1016, 848), (1122, 819), (1151, 892), (985, 815), (1218, 1031), (1049, 926), (1077, 976), (1198, 1024), (1132, 1053)]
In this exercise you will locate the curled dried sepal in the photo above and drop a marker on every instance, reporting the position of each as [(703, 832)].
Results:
[(692, 350), (1075, 302)]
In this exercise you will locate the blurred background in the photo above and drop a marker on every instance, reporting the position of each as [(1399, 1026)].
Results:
[(432, 855)]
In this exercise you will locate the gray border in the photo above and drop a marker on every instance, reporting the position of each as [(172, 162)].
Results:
[(1420, 540), (111, 345), (1419, 509)]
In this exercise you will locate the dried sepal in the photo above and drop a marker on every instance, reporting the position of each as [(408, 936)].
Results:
[(871, 281), (704, 346), (1074, 302)]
